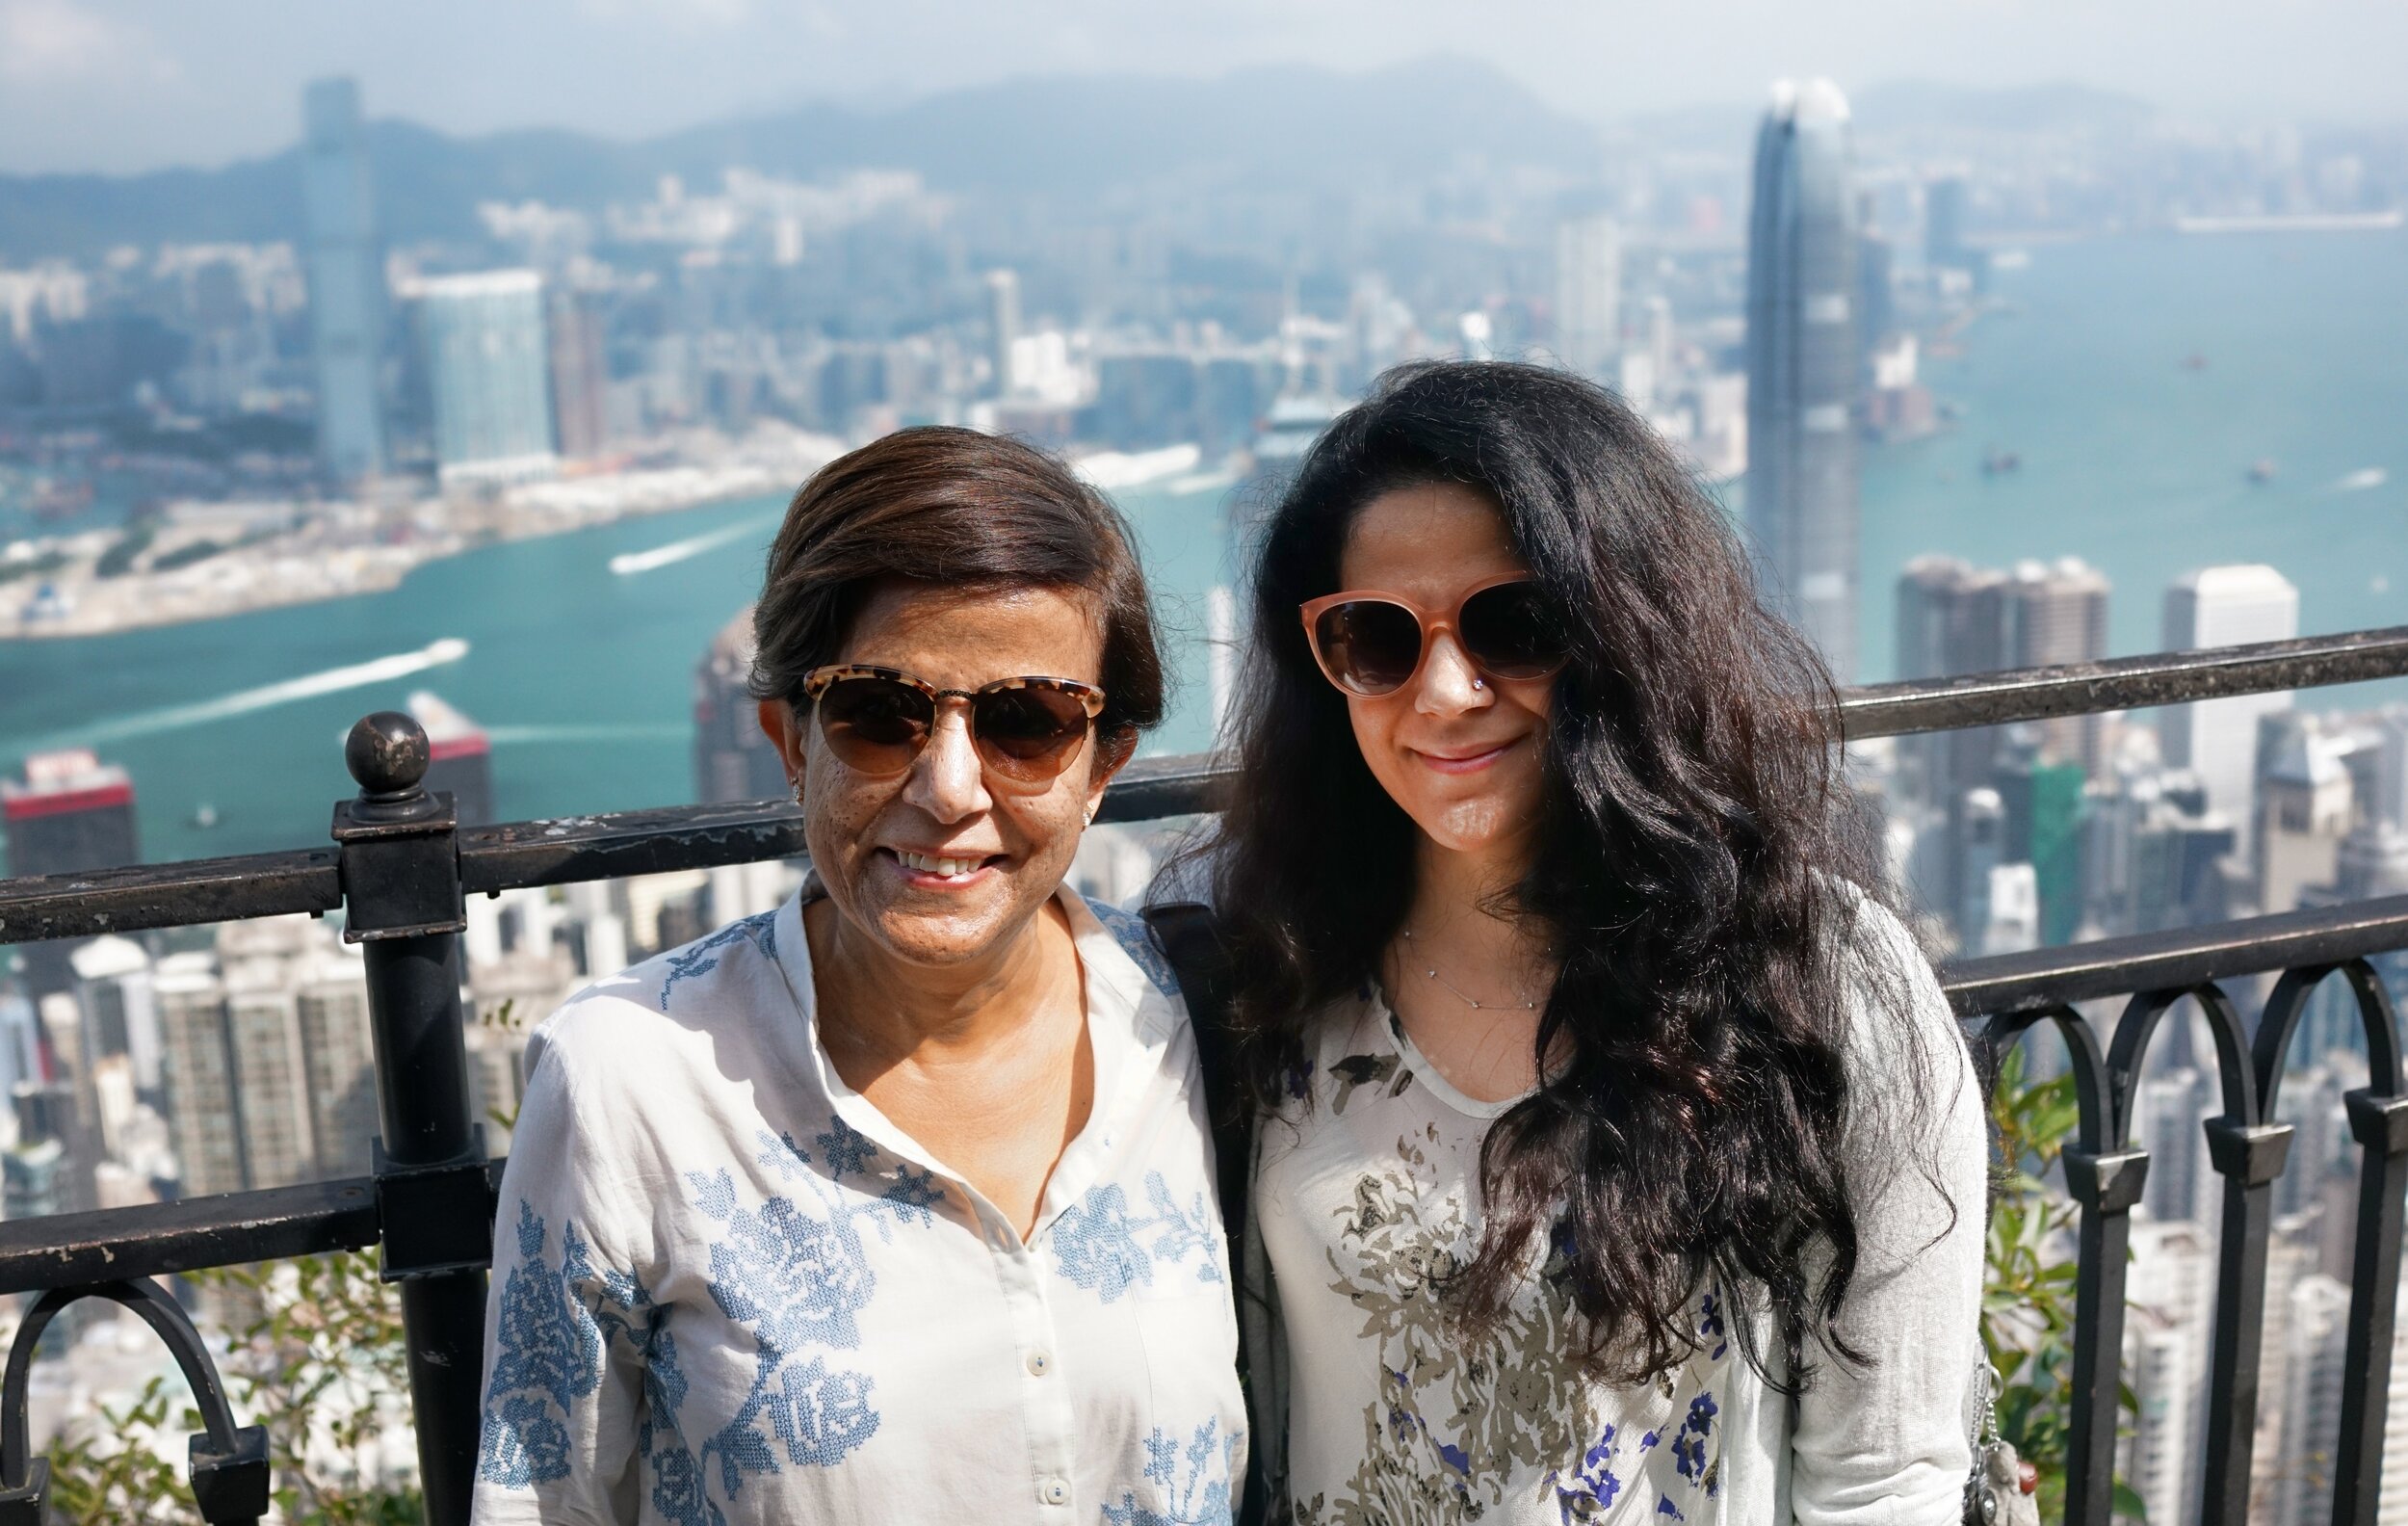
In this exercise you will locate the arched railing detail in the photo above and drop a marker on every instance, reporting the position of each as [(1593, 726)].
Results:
[(229, 1464), (2378, 1120)]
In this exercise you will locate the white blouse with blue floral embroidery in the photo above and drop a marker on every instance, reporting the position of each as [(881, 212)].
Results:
[(727, 1289)]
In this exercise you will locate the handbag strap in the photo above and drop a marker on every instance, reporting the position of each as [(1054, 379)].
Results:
[(1190, 937)]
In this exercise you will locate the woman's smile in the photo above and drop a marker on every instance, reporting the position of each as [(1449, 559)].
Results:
[(1466, 759), (953, 869)]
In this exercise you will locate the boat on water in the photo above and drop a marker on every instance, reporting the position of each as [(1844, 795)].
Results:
[(2195, 361), (2261, 470), (204, 816), (2000, 462)]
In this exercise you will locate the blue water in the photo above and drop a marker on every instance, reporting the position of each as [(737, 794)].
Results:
[(585, 677), (2137, 464)]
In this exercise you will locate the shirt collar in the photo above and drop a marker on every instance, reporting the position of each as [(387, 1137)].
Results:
[(1130, 1021)]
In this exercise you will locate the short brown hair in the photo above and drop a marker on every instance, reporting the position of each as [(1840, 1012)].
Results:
[(954, 506)]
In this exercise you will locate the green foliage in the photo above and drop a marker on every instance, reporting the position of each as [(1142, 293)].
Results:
[(319, 1362), (119, 558), (185, 555), (42, 566), (2029, 1289), (108, 1472)]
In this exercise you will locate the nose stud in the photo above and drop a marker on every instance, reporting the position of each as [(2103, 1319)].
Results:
[(1479, 683)]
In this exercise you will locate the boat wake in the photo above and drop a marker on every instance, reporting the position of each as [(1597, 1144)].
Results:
[(627, 564), (2362, 480), (334, 680), (561, 735)]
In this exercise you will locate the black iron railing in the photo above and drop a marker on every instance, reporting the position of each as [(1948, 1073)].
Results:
[(401, 866)]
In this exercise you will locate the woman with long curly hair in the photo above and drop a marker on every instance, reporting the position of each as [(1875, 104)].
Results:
[(1624, 1160)]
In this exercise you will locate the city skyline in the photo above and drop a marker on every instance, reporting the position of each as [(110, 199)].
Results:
[(105, 85)]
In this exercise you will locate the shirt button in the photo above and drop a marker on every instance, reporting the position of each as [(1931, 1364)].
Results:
[(1056, 1492), (1040, 1364)]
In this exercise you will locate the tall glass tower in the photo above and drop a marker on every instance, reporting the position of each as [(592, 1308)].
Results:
[(1802, 374), (486, 356), (346, 283)]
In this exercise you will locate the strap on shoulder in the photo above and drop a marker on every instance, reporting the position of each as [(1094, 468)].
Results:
[(1190, 936)]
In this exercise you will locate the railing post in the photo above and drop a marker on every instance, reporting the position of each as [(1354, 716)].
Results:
[(401, 895), (2108, 1186), (2249, 1157), (2378, 1119)]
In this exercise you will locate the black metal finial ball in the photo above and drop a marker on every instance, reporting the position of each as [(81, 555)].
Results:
[(386, 752)]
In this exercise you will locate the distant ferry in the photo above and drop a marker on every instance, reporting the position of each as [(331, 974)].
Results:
[(1998, 463), (2261, 470)]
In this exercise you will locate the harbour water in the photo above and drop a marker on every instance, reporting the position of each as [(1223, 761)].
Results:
[(2133, 455)]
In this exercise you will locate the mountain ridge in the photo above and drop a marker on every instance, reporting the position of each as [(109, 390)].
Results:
[(1291, 125), (1037, 136)]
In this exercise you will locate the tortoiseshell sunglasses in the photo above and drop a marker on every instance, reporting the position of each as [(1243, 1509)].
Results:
[(879, 720)]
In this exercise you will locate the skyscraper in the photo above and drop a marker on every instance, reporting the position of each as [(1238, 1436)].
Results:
[(580, 378), (1588, 295), (1951, 618), (270, 1078), (1002, 321), (2217, 739), (1944, 224), (2057, 614), (71, 811), (732, 759), (486, 356), (1802, 365), (346, 280)]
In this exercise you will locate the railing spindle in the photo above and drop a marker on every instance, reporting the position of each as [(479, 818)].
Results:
[(400, 885)]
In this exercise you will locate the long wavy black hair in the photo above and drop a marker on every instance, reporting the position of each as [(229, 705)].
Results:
[(1697, 866)]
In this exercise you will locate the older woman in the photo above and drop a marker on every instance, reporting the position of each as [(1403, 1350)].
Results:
[(895, 1204)]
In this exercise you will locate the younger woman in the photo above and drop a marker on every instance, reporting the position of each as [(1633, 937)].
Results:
[(1628, 1164)]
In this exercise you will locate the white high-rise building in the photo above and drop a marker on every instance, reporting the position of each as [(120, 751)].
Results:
[(2166, 1351), (2392, 1504), (2290, 1256), (270, 1070), (1588, 295), (2312, 1402), (2217, 739), (488, 360), (2182, 1187)]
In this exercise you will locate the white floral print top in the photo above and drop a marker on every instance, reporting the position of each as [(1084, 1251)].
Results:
[(1367, 1191), (726, 1289)]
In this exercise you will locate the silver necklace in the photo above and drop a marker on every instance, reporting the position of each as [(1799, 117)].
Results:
[(1457, 991)]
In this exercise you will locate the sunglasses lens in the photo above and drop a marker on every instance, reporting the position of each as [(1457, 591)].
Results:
[(1029, 732), (1369, 646), (1508, 630), (875, 726)]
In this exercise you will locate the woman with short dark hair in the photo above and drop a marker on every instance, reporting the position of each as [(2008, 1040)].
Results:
[(893, 1205), (1628, 1162)]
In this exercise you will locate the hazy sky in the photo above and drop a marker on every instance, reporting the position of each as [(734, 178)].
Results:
[(118, 85)]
